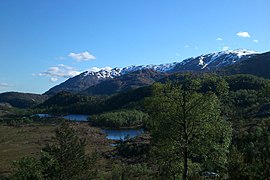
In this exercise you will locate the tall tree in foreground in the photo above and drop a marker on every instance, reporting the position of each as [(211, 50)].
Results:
[(187, 129), (66, 158)]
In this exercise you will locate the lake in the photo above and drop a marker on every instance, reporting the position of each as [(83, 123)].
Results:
[(112, 134), (118, 134), (76, 117), (71, 117)]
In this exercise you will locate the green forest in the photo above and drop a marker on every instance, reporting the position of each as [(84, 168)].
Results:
[(196, 126)]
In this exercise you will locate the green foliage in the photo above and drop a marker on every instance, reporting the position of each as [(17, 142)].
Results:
[(66, 102), (116, 119), (247, 97), (66, 158), (253, 151), (241, 104), (128, 148), (27, 168), (132, 99), (19, 121), (204, 82), (63, 159), (187, 128), (136, 171), (244, 100), (248, 82)]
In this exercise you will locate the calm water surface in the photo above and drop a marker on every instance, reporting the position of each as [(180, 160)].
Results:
[(113, 134), (76, 117), (72, 117), (118, 134)]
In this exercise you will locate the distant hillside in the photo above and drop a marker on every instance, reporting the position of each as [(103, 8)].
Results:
[(202, 63), (66, 102), (22, 100), (258, 65), (75, 84), (141, 78)]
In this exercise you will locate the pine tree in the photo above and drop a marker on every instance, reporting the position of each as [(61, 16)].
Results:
[(66, 158)]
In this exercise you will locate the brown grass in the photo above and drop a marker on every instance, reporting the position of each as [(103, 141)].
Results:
[(16, 142)]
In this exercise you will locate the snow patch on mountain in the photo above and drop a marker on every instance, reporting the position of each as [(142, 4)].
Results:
[(107, 72), (219, 59), (224, 58)]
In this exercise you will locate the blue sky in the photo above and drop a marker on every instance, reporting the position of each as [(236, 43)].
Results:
[(44, 42)]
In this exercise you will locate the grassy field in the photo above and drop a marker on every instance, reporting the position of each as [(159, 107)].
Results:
[(16, 142)]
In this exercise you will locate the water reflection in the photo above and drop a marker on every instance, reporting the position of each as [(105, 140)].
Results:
[(71, 117), (118, 134), (76, 117)]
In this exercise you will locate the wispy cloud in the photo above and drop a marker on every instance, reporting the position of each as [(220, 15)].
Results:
[(186, 46), (225, 48), (83, 56), (5, 84), (243, 34), (256, 41), (219, 39), (59, 71)]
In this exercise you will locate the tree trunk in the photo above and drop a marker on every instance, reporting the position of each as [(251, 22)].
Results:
[(184, 177)]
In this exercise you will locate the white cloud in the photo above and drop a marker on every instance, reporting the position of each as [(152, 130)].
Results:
[(219, 39), (196, 48), (177, 54), (59, 71), (256, 41), (243, 34), (225, 48), (186, 46), (5, 85), (84, 56), (96, 69), (53, 79)]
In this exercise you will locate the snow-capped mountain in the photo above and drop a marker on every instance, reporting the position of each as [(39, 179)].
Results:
[(105, 73), (205, 62), (214, 60)]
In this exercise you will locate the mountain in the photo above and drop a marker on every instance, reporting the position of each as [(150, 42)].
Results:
[(207, 62), (258, 65), (90, 78), (76, 83), (214, 61), (22, 100), (133, 80)]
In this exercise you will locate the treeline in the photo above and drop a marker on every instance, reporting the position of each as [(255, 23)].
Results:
[(68, 103), (197, 123), (117, 119), (244, 102)]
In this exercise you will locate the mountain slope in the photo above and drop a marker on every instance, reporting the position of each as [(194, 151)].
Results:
[(214, 61), (140, 78), (258, 65), (22, 100), (75, 84), (206, 62)]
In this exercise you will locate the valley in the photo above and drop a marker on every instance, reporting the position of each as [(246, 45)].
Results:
[(137, 122)]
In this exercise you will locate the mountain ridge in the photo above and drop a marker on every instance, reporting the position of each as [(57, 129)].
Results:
[(204, 62)]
